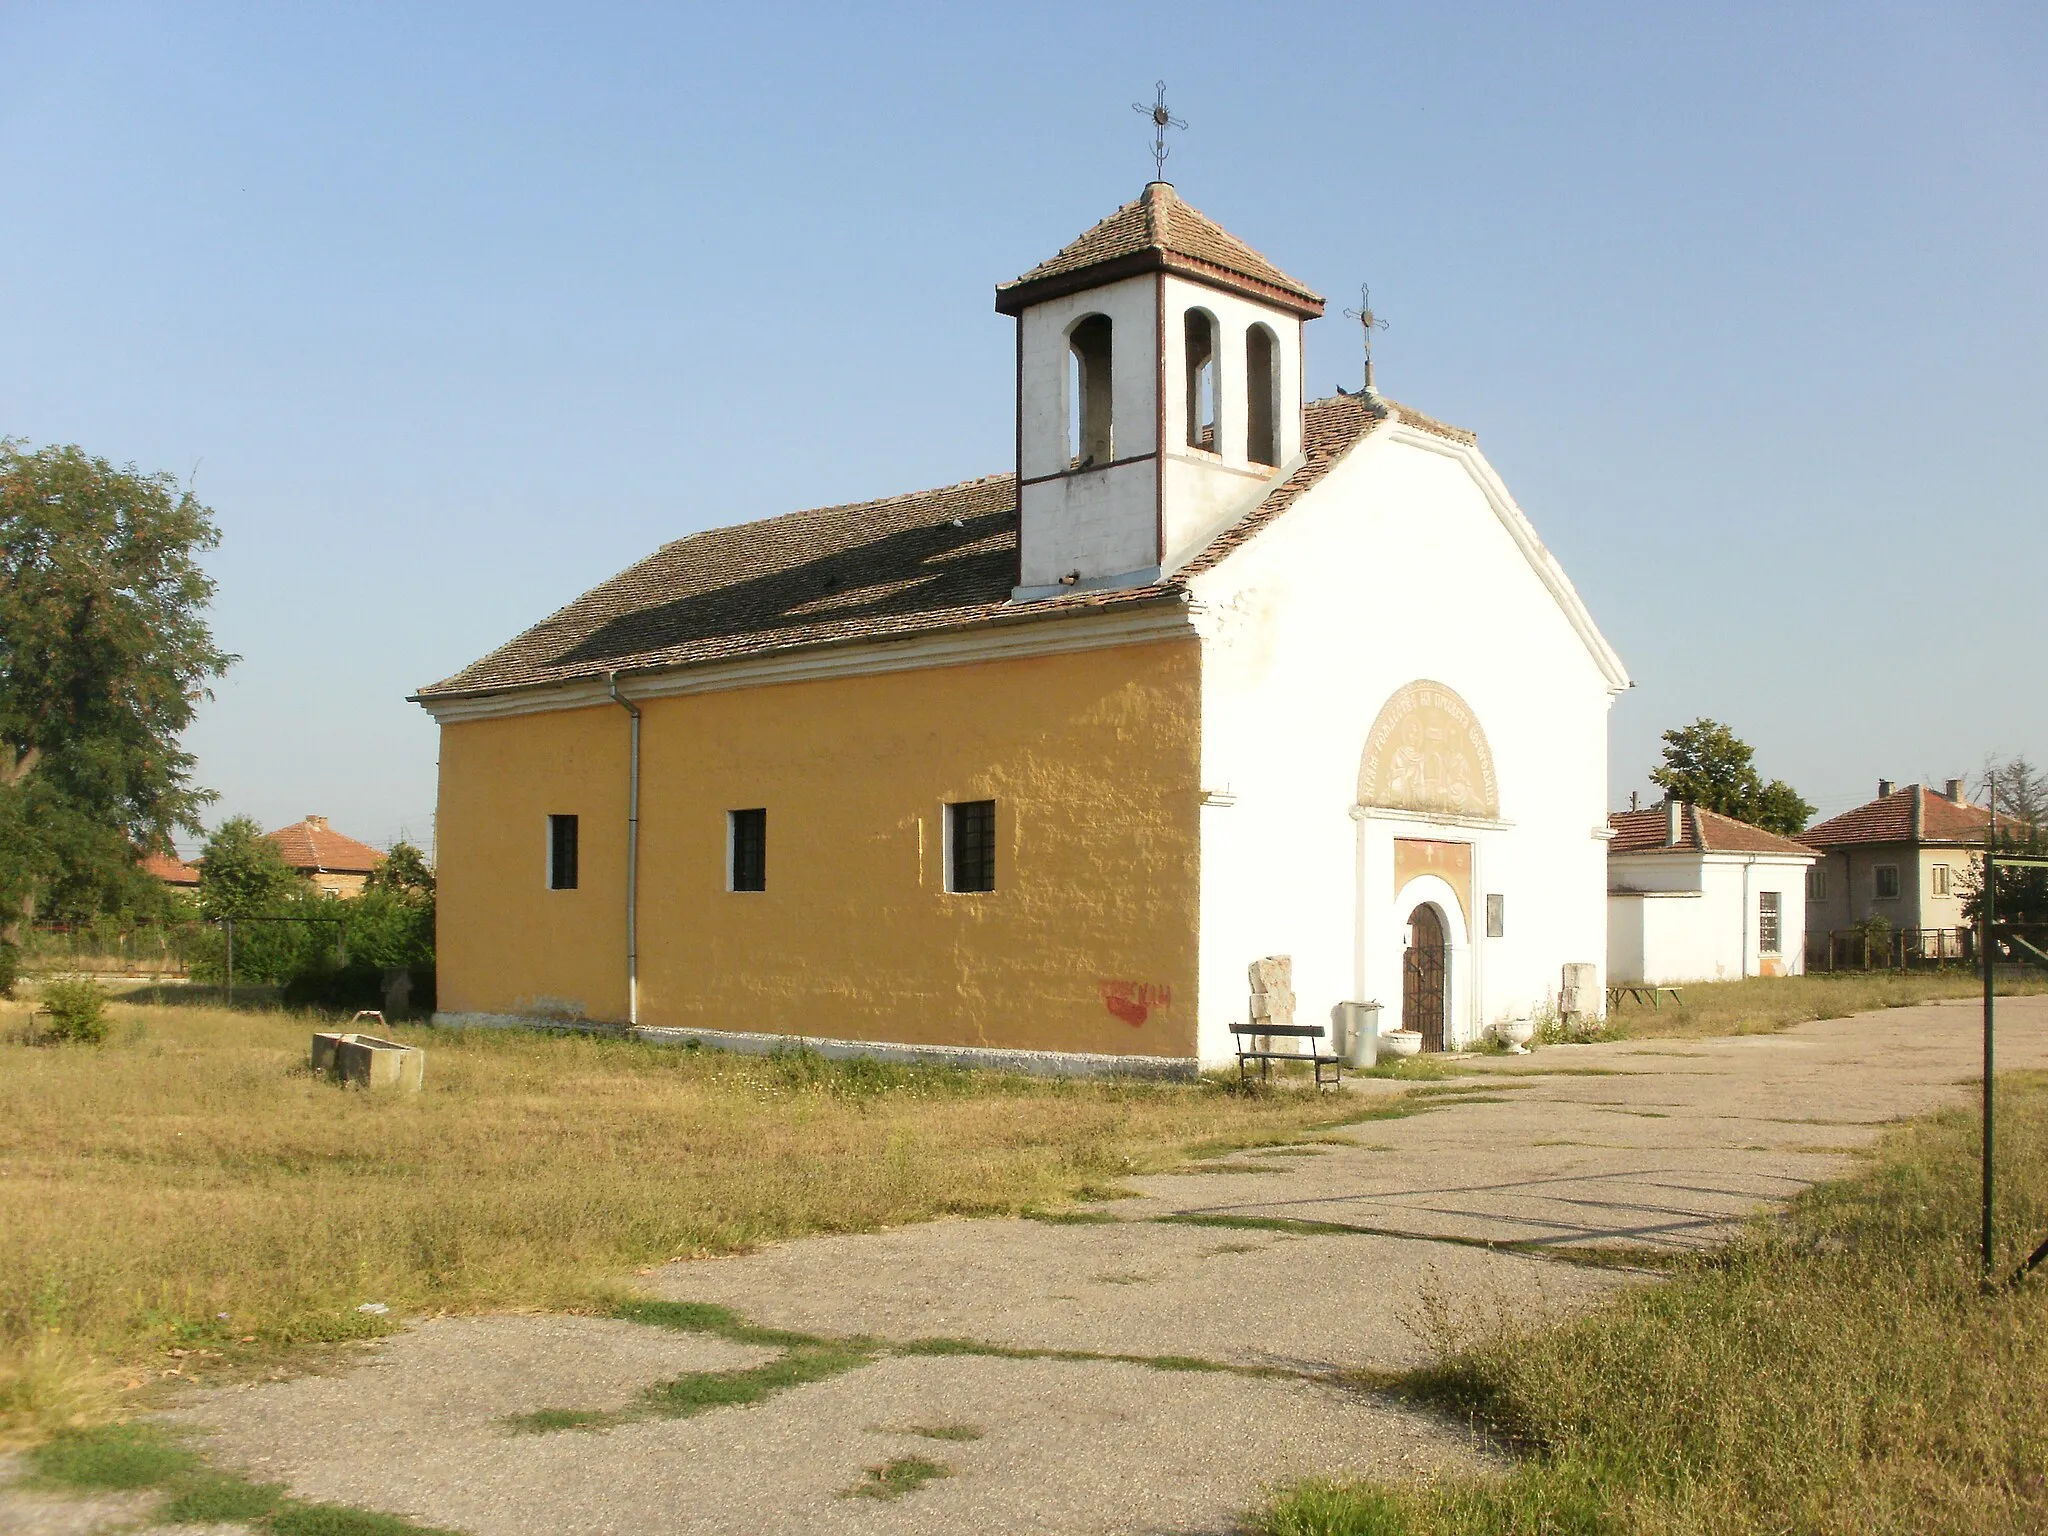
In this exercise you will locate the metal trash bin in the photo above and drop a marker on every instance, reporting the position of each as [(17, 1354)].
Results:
[(1356, 1031)]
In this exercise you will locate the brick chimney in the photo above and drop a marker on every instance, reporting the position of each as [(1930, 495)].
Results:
[(1674, 820), (317, 823), (1954, 790), (1885, 788)]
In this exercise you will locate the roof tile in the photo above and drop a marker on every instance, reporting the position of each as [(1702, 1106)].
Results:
[(1889, 819), (1700, 831), (1156, 230), (905, 565)]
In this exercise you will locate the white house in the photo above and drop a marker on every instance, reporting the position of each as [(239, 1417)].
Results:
[(1693, 895)]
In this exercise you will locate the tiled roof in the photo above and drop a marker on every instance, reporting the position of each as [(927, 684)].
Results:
[(1158, 232), (170, 870), (1699, 831), (1890, 819), (905, 565), (313, 845)]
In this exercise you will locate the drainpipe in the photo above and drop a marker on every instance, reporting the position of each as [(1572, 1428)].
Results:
[(632, 853)]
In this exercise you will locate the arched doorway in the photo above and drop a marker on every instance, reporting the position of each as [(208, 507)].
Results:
[(1423, 966)]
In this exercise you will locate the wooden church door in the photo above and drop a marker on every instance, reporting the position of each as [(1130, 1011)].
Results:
[(1422, 978)]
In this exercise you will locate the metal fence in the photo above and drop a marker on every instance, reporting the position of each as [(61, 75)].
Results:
[(1908, 949), (159, 951)]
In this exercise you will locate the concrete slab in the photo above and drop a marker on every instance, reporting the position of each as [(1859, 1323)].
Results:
[(1069, 1447)]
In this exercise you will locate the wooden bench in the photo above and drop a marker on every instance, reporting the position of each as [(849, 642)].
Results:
[(1643, 994), (1247, 1051)]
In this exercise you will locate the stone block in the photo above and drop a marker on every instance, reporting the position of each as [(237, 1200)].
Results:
[(324, 1045), (1579, 997), (1272, 981), (368, 1062)]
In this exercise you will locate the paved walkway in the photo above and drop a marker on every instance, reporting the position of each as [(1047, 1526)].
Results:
[(1282, 1268)]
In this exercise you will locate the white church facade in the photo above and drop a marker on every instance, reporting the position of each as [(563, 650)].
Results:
[(1030, 769)]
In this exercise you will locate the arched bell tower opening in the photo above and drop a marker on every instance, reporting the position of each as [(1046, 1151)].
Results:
[(1198, 360), (1091, 392), (1262, 395)]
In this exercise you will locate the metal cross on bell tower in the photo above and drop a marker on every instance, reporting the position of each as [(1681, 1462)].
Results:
[(1162, 119), (1367, 322)]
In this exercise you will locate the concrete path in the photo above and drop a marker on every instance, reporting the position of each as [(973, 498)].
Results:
[(1282, 1270)]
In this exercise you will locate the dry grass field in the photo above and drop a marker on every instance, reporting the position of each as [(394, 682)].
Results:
[(1761, 1005), (188, 1197)]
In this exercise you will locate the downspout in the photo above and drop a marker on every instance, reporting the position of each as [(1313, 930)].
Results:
[(632, 853)]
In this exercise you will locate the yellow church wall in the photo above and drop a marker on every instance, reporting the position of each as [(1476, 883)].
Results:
[(1088, 942), (505, 942)]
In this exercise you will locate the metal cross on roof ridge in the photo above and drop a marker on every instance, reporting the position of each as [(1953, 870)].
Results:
[(1368, 322), (1162, 119)]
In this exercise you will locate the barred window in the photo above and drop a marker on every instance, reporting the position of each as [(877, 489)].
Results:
[(971, 840), (561, 853), (747, 834), (1887, 882), (1767, 903), (1816, 884)]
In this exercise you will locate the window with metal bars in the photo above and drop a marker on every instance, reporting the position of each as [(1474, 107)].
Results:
[(747, 832), (1767, 909), (561, 853), (971, 846)]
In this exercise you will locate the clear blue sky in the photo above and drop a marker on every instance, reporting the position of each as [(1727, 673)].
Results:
[(453, 311)]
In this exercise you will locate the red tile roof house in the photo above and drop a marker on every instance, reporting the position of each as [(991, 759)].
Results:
[(336, 864), (174, 872), (1693, 895), (1900, 857)]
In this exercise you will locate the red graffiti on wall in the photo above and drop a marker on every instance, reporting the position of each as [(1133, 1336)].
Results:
[(1133, 1001)]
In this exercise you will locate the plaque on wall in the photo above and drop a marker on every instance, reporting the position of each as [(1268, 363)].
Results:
[(1427, 753)]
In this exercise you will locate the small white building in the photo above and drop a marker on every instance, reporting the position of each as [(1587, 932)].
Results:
[(1693, 895)]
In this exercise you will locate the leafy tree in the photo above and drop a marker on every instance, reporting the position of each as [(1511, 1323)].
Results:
[(2022, 798), (104, 655), (405, 872), (242, 873), (2021, 789), (1708, 765)]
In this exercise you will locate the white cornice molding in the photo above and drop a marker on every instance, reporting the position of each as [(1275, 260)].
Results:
[(1047, 636), (1523, 532), (1429, 818)]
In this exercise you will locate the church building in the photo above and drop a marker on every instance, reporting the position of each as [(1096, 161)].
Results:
[(1028, 770)]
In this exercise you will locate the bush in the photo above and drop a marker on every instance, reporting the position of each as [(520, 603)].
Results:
[(77, 1010), (10, 968), (323, 984)]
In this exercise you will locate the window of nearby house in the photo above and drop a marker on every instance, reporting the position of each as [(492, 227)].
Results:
[(746, 835), (1816, 883), (1938, 880), (971, 846), (1767, 910), (1887, 882), (561, 853), (1496, 916)]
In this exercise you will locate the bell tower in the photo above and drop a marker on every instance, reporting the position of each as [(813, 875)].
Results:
[(1159, 382)]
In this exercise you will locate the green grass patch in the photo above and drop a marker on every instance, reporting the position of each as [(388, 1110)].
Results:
[(1837, 1369), (805, 1358), (1073, 1218), (942, 1431), (893, 1479), (943, 1347), (138, 1457), (112, 1457)]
